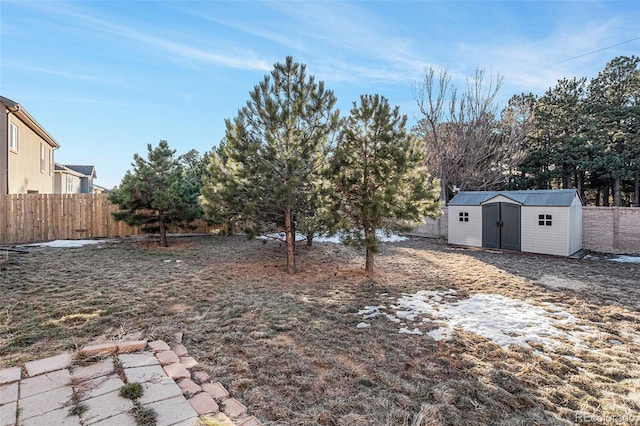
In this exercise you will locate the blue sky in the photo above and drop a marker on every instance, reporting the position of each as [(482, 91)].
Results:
[(106, 78)]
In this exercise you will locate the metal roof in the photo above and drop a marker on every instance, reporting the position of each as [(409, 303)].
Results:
[(543, 197)]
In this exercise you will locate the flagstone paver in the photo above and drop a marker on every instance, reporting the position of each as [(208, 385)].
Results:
[(189, 386), (46, 365), (180, 350), (158, 345), (9, 393), (138, 360), (167, 357), (44, 402), (144, 374), (134, 346), (248, 421), (122, 419), (233, 407), (44, 383), (159, 389), (100, 349), (53, 386), (98, 386), (8, 414), (177, 371), (216, 390), (105, 406), (9, 375), (172, 411), (59, 417), (101, 368), (188, 361), (203, 403), (203, 376)]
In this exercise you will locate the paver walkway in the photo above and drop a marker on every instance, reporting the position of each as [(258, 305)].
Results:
[(60, 391)]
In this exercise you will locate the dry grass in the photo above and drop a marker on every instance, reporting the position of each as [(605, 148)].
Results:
[(288, 348)]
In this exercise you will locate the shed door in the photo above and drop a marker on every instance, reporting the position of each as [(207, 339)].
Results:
[(510, 229), (501, 226), (491, 225)]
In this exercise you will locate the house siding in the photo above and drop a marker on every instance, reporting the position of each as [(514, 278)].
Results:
[(25, 173), (545, 239), (61, 184), (465, 233)]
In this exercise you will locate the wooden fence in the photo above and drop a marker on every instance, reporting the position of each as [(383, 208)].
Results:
[(27, 218)]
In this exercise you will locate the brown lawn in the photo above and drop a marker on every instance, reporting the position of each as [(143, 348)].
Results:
[(288, 346)]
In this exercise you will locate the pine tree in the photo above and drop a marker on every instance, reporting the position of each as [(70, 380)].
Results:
[(274, 154), (378, 175), (153, 194), (614, 107)]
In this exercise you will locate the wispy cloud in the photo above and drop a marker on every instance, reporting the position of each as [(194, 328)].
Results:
[(237, 59)]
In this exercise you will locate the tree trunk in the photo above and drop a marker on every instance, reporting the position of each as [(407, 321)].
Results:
[(163, 232), (290, 237), (369, 264), (579, 177), (309, 240), (636, 193), (605, 196), (617, 194)]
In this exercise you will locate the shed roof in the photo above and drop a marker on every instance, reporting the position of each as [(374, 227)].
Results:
[(543, 197)]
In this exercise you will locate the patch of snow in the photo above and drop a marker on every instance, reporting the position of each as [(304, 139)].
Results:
[(626, 259), (280, 236), (380, 235), (66, 243), (500, 319), (615, 342), (405, 330), (363, 325)]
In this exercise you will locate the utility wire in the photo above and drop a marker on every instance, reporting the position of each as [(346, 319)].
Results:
[(595, 51)]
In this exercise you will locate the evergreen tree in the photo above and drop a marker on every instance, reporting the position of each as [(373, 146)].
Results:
[(378, 175), (274, 153), (614, 107), (154, 193)]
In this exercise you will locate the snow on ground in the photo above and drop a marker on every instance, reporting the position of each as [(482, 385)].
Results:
[(500, 319), (626, 259), (65, 243), (615, 258), (381, 235)]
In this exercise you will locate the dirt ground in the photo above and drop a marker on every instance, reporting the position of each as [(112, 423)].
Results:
[(288, 347)]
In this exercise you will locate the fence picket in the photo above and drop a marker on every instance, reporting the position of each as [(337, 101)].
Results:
[(28, 218)]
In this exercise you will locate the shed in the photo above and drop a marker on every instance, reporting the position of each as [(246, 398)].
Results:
[(540, 221)]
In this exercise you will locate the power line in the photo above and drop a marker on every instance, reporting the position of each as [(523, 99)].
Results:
[(595, 51)]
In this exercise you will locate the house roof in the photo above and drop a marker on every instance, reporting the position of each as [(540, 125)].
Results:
[(543, 197), (85, 170), (19, 111)]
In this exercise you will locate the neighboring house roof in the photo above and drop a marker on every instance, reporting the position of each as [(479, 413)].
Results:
[(85, 170), (543, 197), (19, 111), (59, 168)]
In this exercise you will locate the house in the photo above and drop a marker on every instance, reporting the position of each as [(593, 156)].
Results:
[(26, 163), (74, 179), (542, 221)]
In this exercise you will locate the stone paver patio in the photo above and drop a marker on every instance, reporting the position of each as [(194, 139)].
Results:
[(60, 391)]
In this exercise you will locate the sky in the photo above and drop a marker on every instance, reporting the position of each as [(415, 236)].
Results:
[(107, 78)]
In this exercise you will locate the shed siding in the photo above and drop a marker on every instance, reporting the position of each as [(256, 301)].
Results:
[(465, 233), (575, 226), (545, 239)]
